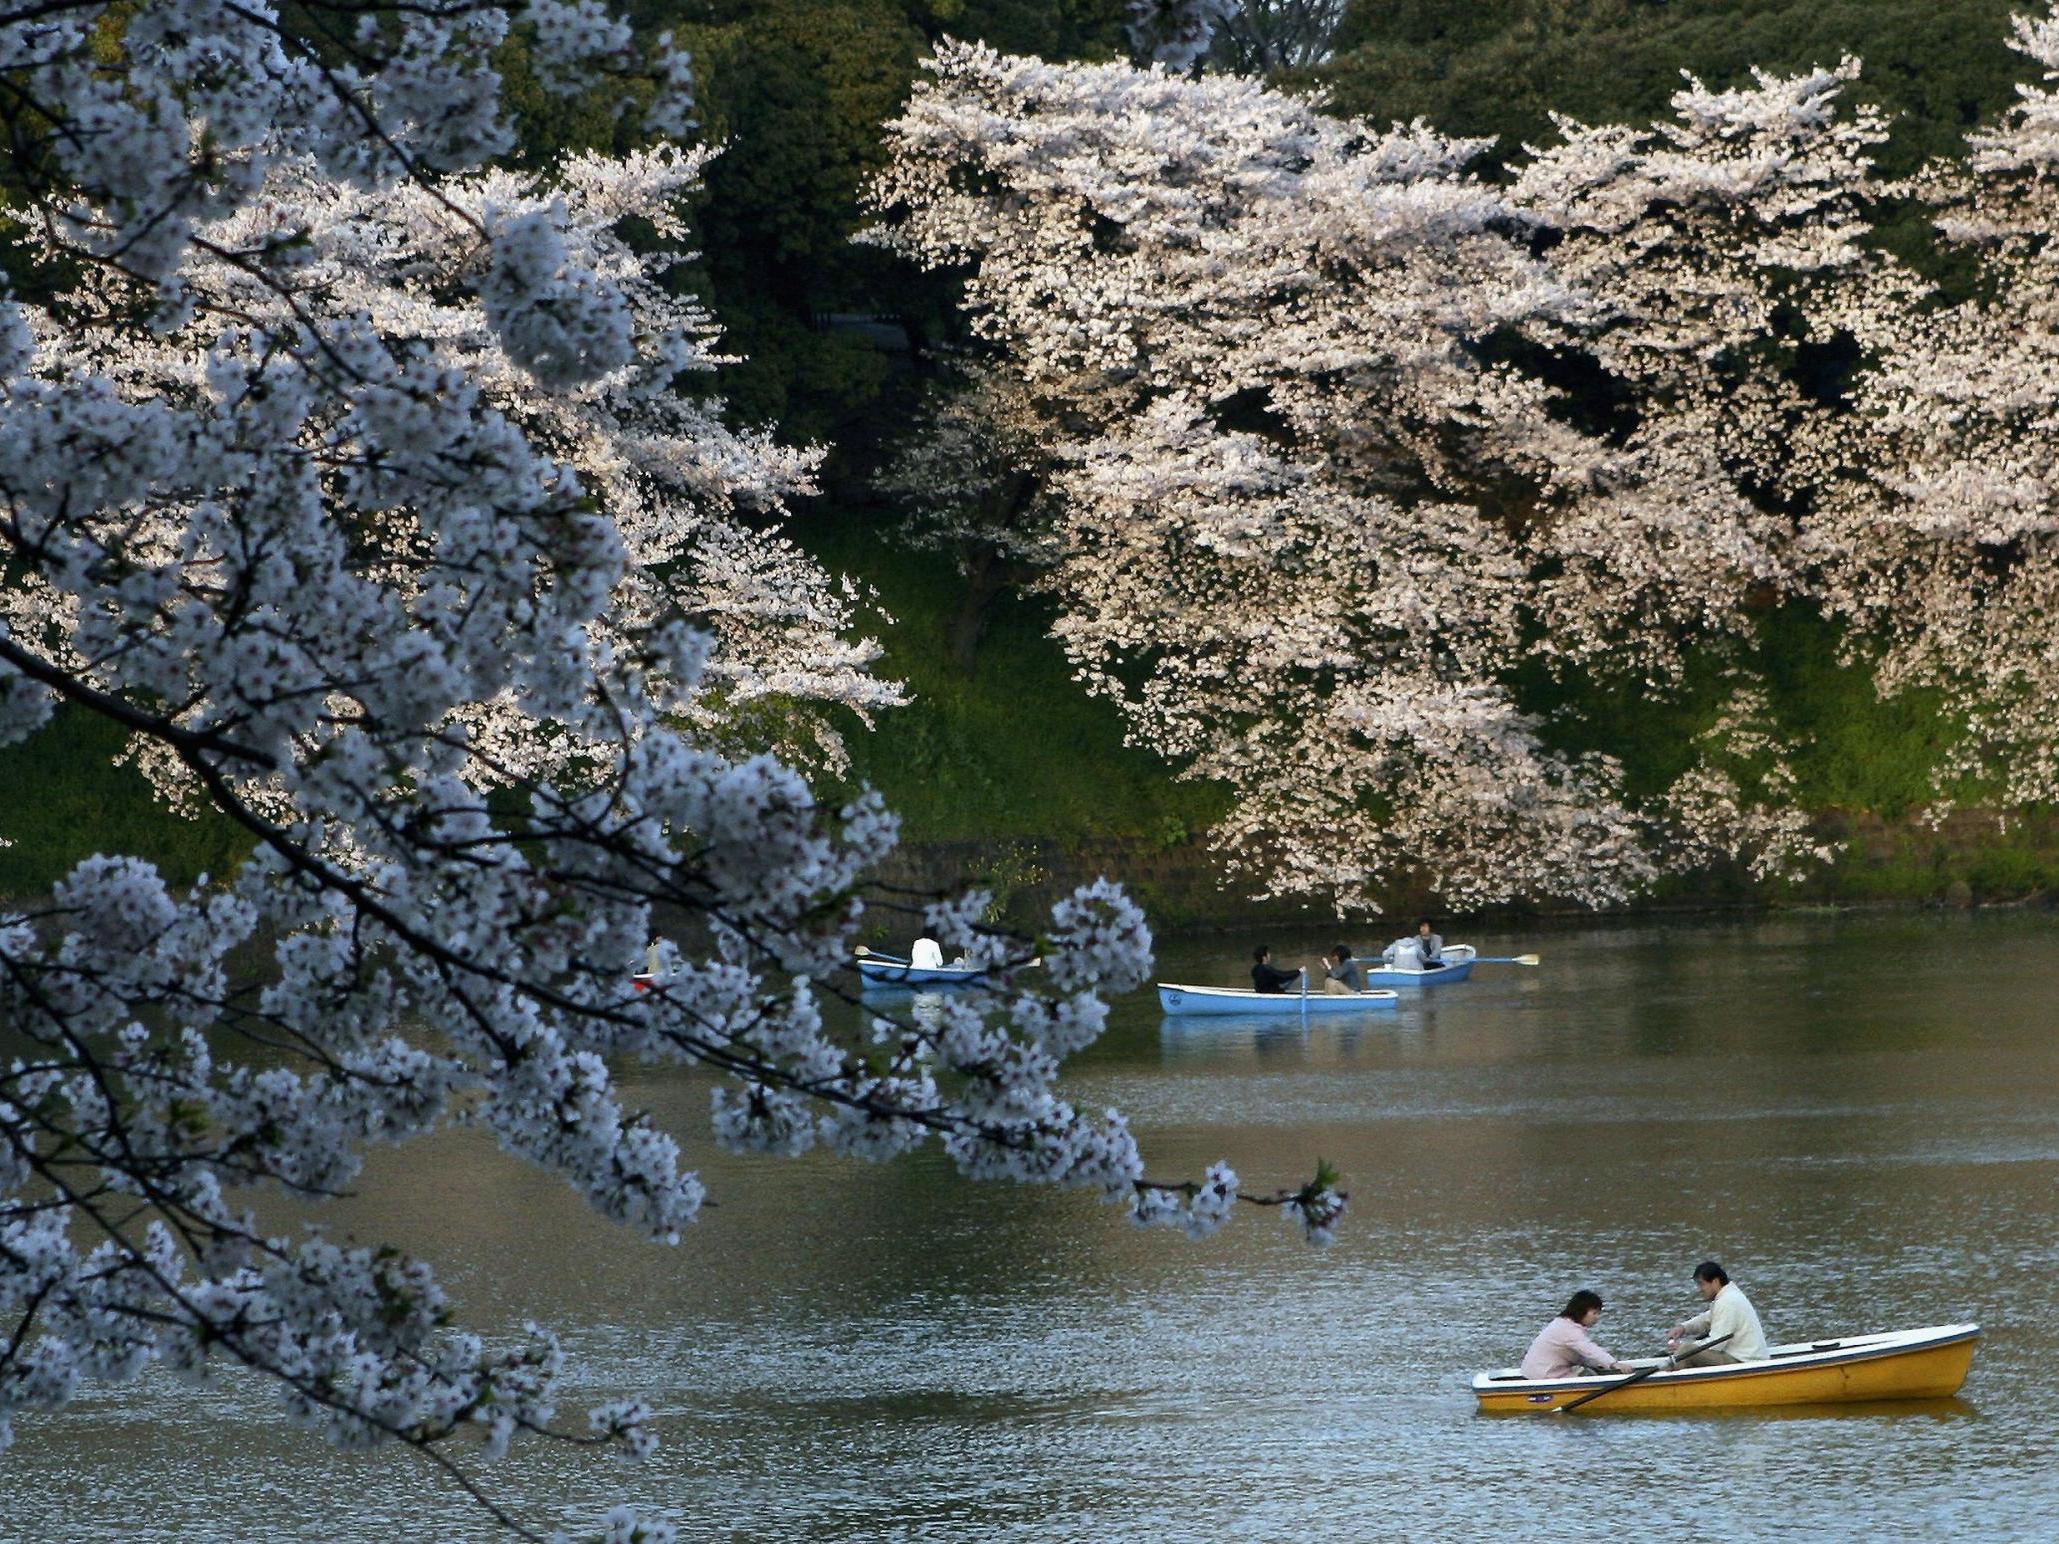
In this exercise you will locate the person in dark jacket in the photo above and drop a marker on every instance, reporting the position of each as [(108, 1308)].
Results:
[(1268, 977)]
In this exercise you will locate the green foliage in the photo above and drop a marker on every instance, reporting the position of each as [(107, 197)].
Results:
[(1853, 749), (795, 92), (1012, 871), (2008, 870), (67, 800), (1502, 67), (1975, 858), (1012, 749), (1050, 29), (820, 385), (549, 125), (798, 92)]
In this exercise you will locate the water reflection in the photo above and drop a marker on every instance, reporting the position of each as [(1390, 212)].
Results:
[(922, 1004), (1210, 1041), (1957, 1408), (1863, 1132)]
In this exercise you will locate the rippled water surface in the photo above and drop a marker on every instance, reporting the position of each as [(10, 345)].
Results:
[(1860, 1117)]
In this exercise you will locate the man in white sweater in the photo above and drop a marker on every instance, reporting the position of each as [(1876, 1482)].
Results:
[(1729, 1313)]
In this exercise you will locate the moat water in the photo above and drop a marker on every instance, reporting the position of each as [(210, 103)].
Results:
[(1859, 1116)]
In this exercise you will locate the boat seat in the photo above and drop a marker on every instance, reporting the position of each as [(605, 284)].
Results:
[(1808, 1350)]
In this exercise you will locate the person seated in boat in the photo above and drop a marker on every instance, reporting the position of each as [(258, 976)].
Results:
[(926, 954), (1729, 1313), (1268, 977), (1563, 1349), (1421, 950), (1429, 944), (1342, 973)]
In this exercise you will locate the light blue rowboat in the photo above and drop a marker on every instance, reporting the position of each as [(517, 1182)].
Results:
[(1175, 998), (1457, 962), (877, 969)]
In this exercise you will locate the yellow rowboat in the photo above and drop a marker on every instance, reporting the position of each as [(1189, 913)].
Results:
[(1904, 1364)]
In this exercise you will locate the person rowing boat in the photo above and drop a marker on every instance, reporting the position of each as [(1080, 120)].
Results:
[(1729, 1316), (1429, 944), (1267, 977)]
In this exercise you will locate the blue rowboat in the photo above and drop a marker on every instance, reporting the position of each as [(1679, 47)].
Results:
[(1175, 998), (1456, 963), (877, 969)]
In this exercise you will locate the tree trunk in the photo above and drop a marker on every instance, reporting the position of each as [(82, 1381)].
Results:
[(987, 574)]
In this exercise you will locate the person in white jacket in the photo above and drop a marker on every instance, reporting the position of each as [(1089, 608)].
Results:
[(1729, 1313)]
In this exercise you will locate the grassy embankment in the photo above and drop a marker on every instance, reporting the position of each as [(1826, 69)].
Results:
[(1012, 756), (66, 800), (1863, 767), (1013, 750)]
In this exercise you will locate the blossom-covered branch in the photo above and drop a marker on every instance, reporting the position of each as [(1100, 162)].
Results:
[(352, 482)]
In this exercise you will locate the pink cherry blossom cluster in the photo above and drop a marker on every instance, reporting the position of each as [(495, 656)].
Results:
[(1331, 451)]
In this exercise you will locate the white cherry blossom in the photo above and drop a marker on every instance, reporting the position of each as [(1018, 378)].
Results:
[(1337, 458), (350, 478)]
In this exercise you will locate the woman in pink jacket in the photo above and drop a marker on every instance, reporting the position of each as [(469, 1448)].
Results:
[(1562, 1349)]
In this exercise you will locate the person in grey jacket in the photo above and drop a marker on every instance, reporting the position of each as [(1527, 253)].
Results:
[(1345, 973), (1430, 944)]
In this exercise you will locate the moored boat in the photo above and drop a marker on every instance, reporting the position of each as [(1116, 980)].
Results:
[(1928, 1363), (1177, 998)]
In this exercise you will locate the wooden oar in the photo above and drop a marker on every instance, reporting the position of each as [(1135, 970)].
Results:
[(1505, 959), (1641, 1374)]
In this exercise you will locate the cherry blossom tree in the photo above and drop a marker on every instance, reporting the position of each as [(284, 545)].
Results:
[(1940, 544), (696, 503), (1330, 451), (346, 477), (1321, 452)]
